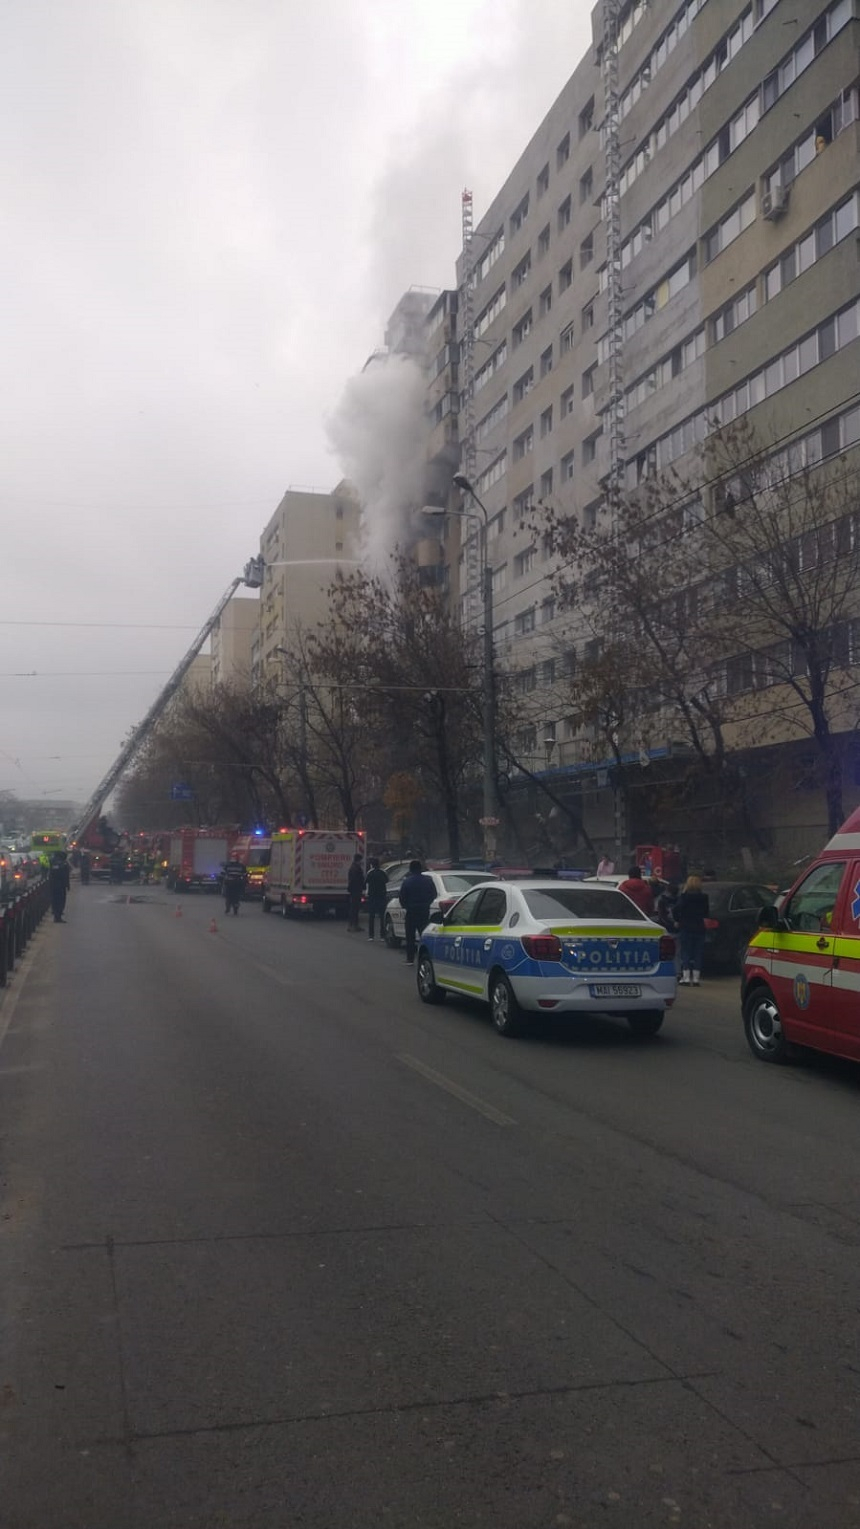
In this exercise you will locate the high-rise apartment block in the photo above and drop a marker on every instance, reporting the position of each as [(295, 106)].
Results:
[(310, 536), (724, 142)]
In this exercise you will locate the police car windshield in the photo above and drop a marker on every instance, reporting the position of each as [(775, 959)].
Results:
[(581, 902)]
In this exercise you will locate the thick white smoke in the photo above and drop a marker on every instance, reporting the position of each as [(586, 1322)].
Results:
[(378, 434)]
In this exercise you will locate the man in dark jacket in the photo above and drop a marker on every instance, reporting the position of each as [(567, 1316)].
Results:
[(417, 892), (59, 881), (377, 897), (233, 883), (355, 887)]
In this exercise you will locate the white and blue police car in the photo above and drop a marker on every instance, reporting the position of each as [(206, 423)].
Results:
[(550, 946)]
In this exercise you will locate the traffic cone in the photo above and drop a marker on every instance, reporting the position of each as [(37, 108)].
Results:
[(213, 927), (178, 913)]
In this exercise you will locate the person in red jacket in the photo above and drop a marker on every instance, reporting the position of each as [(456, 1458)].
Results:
[(638, 891)]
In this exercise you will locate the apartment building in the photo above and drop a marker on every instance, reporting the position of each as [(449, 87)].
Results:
[(232, 641), (310, 536), (739, 282)]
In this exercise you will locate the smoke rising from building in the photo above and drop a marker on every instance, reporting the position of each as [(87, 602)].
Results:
[(378, 434)]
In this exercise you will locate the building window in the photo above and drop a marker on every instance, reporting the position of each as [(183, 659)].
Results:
[(588, 381), (521, 329), (546, 362), (543, 181), (543, 242), (523, 503), (564, 215), (520, 272), (497, 359), (524, 562), (338, 512), (565, 276), (546, 423), (490, 312), (562, 153), (728, 318), (547, 611), (500, 578), (493, 473), (489, 422), (586, 118), (546, 484), (524, 444), (727, 230), (586, 252), (588, 317), (545, 301), (589, 448), (566, 468), (567, 402), (586, 187), (589, 516), (828, 231), (524, 623), (519, 215), (524, 385), (565, 339)]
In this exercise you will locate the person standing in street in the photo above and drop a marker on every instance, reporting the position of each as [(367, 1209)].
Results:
[(417, 892), (59, 881), (691, 910), (638, 891), (233, 883), (355, 887), (377, 896)]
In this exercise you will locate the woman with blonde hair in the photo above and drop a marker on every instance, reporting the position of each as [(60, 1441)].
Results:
[(691, 910)]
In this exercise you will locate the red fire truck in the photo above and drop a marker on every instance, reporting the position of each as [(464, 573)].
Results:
[(197, 857)]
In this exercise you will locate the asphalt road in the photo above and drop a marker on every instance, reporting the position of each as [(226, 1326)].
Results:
[(282, 1247)]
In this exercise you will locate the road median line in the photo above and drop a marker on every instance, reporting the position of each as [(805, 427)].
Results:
[(489, 1111)]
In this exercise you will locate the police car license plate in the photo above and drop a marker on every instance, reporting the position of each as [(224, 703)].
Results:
[(614, 990)]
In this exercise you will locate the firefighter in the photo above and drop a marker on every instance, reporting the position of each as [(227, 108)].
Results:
[(233, 884)]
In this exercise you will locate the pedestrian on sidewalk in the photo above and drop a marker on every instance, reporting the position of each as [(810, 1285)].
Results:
[(691, 910), (355, 887), (59, 881), (417, 892), (376, 887)]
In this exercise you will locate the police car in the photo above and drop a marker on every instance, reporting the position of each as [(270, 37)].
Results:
[(549, 946), (801, 982)]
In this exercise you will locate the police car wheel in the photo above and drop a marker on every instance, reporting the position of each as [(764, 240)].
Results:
[(646, 1021), (506, 1013), (425, 979), (763, 1027), (391, 938)]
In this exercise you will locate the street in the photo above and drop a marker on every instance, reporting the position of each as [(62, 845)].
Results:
[(283, 1247)]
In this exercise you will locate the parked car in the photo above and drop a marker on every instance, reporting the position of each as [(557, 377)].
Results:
[(565, 947), (449, 886), (734, 908)]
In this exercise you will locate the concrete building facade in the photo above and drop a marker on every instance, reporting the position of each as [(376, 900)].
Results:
[(739, 213), (310, 536), (232, 641)]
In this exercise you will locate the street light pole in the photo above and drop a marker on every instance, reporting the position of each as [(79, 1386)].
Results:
[(490, 818)]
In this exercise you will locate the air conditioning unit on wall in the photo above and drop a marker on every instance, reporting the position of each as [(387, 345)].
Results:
[(774, 204)]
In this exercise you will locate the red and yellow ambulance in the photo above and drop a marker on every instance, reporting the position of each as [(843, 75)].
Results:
[(801, 979)]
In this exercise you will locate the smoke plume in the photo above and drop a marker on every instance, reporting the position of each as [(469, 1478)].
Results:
[(378, 435)]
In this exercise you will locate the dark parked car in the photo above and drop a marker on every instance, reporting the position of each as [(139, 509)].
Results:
[(733, 917)]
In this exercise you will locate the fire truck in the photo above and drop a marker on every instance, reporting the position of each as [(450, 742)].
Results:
[(197, 858)]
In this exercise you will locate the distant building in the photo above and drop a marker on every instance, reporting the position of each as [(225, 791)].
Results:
[(311, 535), (232, 641)]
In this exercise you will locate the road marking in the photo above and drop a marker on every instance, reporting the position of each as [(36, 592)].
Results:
[(23, 968), (489, 1111)]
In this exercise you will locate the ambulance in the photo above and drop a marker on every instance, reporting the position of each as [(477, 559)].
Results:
[(801, 976)]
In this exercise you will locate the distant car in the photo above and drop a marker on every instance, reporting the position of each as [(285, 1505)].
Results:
[(733, 913), (449, 886), (565, 947)]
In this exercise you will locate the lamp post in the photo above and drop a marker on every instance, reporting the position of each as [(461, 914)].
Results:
[(490, 817)]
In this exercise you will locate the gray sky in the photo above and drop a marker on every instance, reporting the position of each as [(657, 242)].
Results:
[(210, 208)]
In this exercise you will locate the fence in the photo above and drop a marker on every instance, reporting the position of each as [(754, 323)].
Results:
[(19, 919)]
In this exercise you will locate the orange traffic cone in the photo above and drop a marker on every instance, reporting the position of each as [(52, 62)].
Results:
[(178, 913), (213, 927)]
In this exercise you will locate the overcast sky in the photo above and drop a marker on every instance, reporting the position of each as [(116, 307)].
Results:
[(210, 207)]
